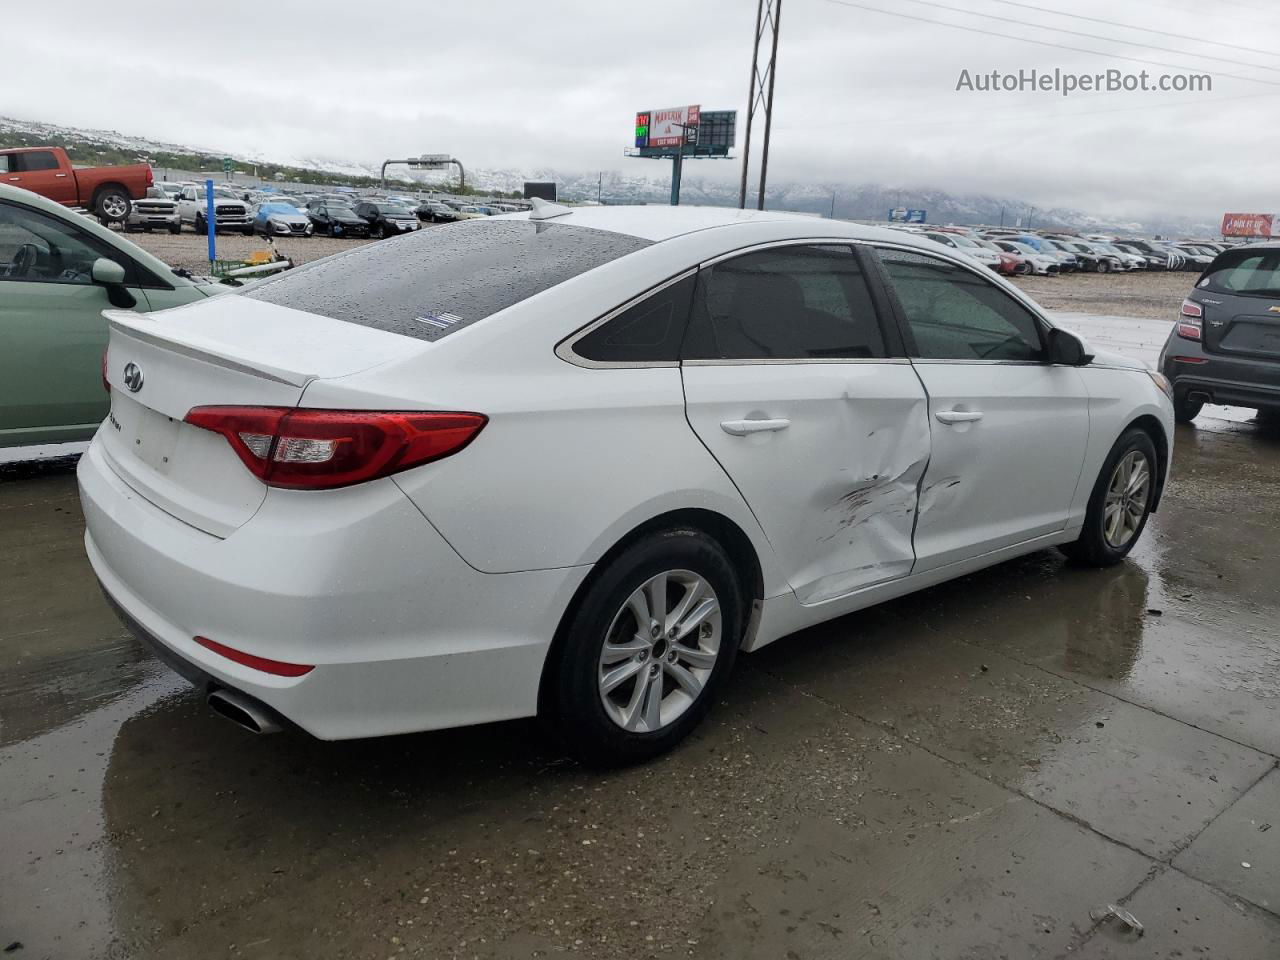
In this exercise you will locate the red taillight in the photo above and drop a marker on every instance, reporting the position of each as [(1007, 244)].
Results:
[(321, 449), (151, 177), (1189, 323), (275, 667)]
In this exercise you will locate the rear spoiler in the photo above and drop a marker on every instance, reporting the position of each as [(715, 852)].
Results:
[(143, 327)]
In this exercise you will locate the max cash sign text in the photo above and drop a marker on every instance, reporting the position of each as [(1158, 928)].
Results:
[(1066, 83)]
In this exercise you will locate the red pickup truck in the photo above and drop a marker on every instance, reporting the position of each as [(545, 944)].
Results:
[(107, 191)]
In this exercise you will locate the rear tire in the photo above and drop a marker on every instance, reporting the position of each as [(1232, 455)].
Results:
[(650, 708), (112, 205), (1120, 503), (1104, 266), (1184, 410), (200, 226)]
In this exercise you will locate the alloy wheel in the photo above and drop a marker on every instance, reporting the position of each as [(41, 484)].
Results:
[(660, 651), (115, 206), (1127, 494)]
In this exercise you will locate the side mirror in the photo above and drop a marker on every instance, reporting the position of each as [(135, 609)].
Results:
[(1066, 348), (110, 274)]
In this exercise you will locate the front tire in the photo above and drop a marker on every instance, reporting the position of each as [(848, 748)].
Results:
[(645, 649), (200, 226), (1120, 503)]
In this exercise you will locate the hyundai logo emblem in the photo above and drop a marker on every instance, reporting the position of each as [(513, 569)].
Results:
[(133, 377)]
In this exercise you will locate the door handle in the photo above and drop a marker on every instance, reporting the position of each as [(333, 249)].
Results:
[(14, 179), (740, 428), (59, 174), (958, 416)]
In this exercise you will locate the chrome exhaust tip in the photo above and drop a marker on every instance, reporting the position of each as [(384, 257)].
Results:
[(242, 711)]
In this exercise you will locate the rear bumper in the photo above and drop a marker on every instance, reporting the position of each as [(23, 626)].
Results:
[(403, 635), (1232, 381)]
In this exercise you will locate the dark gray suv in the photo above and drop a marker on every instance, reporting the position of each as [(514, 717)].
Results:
[(1225, 347)]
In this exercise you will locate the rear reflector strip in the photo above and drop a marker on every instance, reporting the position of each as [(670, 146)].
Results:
[(1190, 359), (276, 668)]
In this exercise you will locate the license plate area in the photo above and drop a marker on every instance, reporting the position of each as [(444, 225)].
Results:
[(143, 433), (1256, 337)]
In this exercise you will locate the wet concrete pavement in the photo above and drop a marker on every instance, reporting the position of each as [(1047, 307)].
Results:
[(964, 773)]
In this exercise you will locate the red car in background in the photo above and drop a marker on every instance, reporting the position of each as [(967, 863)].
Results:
[(107, 191)]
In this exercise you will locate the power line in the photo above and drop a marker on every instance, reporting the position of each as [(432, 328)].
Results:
[(1043, 43), (987, 118), (1091, 36), (1133, 26)]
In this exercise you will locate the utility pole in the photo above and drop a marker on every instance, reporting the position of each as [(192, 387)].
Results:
[(760, 94), (600, 186), (832, 215), (1030, 215), (1002, 215)]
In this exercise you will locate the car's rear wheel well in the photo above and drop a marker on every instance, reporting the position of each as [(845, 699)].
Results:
[(1155, 430), (724, 531)]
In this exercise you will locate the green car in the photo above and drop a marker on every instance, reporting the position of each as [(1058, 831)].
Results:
[(58, 272)]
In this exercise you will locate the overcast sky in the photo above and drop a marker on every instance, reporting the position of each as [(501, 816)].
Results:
[(861, 96)]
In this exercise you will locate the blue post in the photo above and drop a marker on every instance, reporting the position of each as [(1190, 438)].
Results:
[(211, 220)]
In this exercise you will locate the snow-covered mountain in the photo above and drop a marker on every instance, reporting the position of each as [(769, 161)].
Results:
[(649, 183)]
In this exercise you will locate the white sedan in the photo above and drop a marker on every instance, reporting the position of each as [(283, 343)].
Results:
[(569, 463)]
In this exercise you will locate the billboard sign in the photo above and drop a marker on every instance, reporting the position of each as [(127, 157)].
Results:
[(903, 215), (1250, 225), (542, 189), (669, 127)]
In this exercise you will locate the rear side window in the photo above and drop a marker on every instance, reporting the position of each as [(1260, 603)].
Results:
[(955, 314), (1245, 273), (648, 332), (786, 303), (433, 282)]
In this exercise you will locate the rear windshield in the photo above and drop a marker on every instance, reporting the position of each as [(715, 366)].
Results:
[(436, 281), (1247, 273)]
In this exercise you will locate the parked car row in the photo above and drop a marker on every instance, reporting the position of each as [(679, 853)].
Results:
[(1016, 252), (275, 214)]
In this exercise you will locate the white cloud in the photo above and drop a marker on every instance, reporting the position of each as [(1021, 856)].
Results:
[(860, 96)]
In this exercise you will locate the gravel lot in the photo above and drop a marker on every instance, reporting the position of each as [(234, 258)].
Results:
[(1150, 294), (190, 251)]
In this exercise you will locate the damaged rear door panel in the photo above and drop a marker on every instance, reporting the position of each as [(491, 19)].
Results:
[(1009, 430), (790, 382)]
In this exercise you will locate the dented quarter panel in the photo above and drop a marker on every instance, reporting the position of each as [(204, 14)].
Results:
[(835, 491)]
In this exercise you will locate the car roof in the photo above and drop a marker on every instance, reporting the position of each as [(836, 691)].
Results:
[(657, 222)]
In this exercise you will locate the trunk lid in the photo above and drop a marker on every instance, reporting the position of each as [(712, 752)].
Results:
[(1242, 327), (227, 350)]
